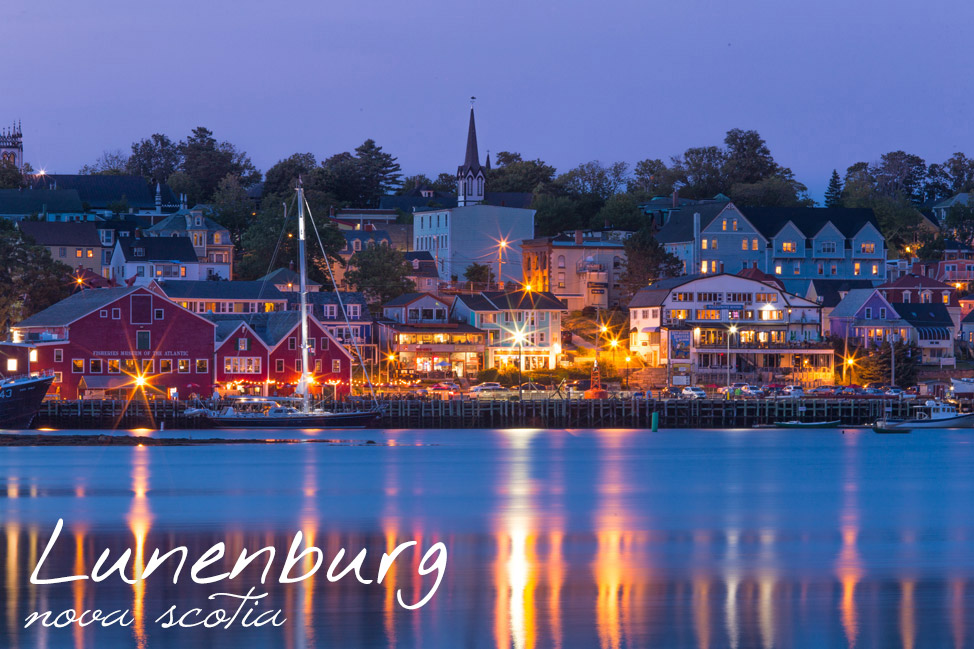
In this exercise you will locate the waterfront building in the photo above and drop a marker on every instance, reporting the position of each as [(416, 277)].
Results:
[(706, 328), (76, 244), (353, 328), (581, 268), (205, 296), (475, 231), (866, 319), (211, 241), (121, 340), (792, 243), (827, 293), (424, 274), (912, 288), (521, 327), (416, 335), (287, 281), (139, 260), (260, 354)]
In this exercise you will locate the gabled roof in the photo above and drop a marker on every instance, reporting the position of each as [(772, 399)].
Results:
[(408, 298), (679, 228), (100, 190), (471, 159), (524, 300), (853, 301), (283, 276), (47, 233), (76, 306), (365, 235), (272, 327), (648, 296), (320, 298), (177, 222), (23, 202), (831, 291), (924, 315), (445, 327), (911, 281), (759, 275), (477, 302), (809, 220), (207, 290), (522, 200), (953, 200), (177, 249)]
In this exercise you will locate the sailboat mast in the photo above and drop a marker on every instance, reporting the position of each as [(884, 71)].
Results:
[(303, 269)]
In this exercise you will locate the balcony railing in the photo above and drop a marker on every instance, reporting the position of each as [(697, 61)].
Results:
[(793, 345), (964, 275)]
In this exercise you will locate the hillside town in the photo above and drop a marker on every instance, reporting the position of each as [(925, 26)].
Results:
[(448, 284)]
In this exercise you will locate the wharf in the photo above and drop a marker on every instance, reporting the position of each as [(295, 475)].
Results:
[(498, 413)]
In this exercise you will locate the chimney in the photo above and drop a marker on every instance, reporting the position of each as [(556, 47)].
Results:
[(676, 197), (694, 256), (578, 237)]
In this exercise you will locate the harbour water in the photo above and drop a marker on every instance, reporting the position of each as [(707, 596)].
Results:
[(564, 539)]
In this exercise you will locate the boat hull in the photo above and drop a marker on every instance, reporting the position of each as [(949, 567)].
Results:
[(21, 399), (359, 419), (808, 424), (960, 421)]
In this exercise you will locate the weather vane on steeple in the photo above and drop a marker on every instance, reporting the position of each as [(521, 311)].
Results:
[(472, 100)]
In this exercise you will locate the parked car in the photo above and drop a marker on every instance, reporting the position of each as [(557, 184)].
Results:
[(876, 385), (752, 391), (670, 392), (872, 392), (850, 391), (894, 392), (693, 392), (793, 391), (822, 391), (446, 385), (733, 388), (487, 387)]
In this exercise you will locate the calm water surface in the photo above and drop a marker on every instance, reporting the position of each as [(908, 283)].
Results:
[(589, 539)]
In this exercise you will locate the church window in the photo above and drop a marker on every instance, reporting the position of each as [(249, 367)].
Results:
[(480, 186)]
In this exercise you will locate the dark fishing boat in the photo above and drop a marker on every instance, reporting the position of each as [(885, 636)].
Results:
[(20, 398)]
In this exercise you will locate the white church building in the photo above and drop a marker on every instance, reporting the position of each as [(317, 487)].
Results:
[(474, 232)]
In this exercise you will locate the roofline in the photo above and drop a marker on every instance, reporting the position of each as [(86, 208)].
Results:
[(249, 328)]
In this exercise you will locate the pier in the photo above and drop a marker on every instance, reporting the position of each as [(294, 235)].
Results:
[(506, 413)]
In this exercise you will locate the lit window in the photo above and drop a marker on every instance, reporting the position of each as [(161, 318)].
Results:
[(875, 269), (703, 266), (734, 225), (788, 246), (336, 366), (777, 269), (11, 364), (703, 244), (724, 225), (856, 269), (743, 244), (754, 244), (867, 248)]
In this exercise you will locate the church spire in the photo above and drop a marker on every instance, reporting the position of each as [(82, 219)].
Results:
[(471, 177), (472, 159)]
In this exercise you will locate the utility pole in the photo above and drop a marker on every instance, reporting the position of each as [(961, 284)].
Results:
[(892, 361)]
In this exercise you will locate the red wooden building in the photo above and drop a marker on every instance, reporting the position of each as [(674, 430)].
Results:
[(260, 354), (121, 341)]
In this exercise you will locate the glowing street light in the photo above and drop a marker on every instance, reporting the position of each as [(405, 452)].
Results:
[(519, 341), (730, 330), (501, 246)]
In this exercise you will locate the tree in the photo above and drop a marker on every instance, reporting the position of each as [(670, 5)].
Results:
[(959, 222), (182, 183), (381, 272), (341, 177), (553, 214), (10, 176), (109, 163), (900, 175), (747, 159), (479, 273), (379, 172), (30, 281), (155, 158), (280, 179), (207, 162), (875, 366), (446, 183), (121, 206), (700, 172), (594, 179), (833, 194), (620, 212), (773, 191), (898, 219), (647, 261), (651, 177), (513, 174), (232, 208)]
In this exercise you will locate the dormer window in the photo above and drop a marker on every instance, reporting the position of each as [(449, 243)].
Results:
[(199, 221), (138, 252), (867, 248), (788, 246)]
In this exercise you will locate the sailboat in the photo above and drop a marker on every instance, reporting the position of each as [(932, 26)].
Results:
[(276, 412)]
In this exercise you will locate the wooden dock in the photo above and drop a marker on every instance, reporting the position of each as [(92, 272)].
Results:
[(535, 413)]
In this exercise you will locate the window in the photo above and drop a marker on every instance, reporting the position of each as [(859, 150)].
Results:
[(58, 355), (279, 365), (797, 267), (703, 244), (856, 269), (743, 244), (234, 365), (165, 366), (713, 244), (94, 366), (868, 313), (114, 367), (828, 247), (875, 269), (140, 271), (777, 269), (906, 297), (324, 343), (710, 297), (821, 268), (703, 267), (336, 366), (354, 310), (77, 366), (297, 365), (724, 225), (882, 313), (946, 298), (683, 297), (148, 367), (788, 246), (57, 377), (89, 253), (734, 225), (128, 366), (183, 365), (318, 366), (202, 366), (243, 344), (561, 261), (834, 269), (159, 314), (217, 237), (356, 245), (292, 343), (770, 298), (77, 253), (11, 364), (754, 244), (143, 340), (708, 314), (867, 248)]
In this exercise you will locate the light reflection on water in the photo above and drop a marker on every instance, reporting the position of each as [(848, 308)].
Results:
[(609, 539)]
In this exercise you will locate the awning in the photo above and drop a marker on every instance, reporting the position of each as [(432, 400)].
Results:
[(105, 383), (933, 333), (650, 330)]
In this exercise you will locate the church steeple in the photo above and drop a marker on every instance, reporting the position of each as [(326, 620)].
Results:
[(470, 175)]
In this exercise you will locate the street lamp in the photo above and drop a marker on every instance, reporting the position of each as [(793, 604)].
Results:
[(627, 371), (731, 330), (519, 340), (850, 363), (501, 245), (392, 359)]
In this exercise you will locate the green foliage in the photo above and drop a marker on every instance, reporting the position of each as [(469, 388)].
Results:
[(554, 214), (155, 159), (651, 177), (513, 174), (121, 206), (593, 179), (621, 211), (207, 162), (110, 163), (379, 172), (833, 194), (898, 219), (773, 191), (281, 179), (479, 273), (875, 366), (232, 208), (30, 281), (381, 273), (647, 261), (10, 176)]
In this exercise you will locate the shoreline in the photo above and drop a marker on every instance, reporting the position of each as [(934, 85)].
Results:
[(40, 439)]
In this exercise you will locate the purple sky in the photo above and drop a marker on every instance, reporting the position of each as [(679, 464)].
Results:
[(827, 83)]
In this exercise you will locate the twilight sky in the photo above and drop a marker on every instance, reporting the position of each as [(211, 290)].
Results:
[(826, 82)]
